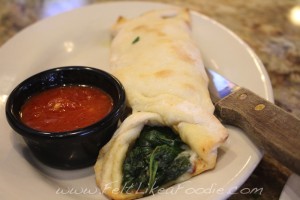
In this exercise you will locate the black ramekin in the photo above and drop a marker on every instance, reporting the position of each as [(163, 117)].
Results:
[(72, 149)]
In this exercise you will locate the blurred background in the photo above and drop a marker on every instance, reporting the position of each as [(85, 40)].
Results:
[(270, 27)]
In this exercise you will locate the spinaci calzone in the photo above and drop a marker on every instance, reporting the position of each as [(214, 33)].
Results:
[(172, 133)]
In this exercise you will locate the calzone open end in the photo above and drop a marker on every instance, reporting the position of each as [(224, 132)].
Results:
[(172, 133)]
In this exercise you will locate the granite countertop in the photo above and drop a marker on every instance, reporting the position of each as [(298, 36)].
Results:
[(270, 27)]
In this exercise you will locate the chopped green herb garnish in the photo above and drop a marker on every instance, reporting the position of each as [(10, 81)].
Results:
[(136, 40)]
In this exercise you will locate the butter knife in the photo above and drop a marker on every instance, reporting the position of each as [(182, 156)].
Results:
[(267, 125)]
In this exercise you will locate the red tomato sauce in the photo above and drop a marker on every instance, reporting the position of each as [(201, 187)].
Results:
[(66, 108)]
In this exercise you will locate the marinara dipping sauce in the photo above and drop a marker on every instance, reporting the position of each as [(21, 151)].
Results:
[(66, 108)]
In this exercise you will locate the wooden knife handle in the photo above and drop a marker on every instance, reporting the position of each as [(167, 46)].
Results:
[(270, 127)]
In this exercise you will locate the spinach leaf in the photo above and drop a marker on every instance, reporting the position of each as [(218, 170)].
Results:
[(154, 160), (178, 167), (155, 136)]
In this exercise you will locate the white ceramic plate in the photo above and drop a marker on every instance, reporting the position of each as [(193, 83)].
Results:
[(81, 37), (291, 188)]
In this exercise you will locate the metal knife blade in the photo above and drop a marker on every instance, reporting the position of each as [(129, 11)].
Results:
[(219, 87), (270, 127)]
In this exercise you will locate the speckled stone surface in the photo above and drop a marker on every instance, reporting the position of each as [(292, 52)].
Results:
[(270, 27)]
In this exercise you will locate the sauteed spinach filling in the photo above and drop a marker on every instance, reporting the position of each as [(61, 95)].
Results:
[(156, 158)]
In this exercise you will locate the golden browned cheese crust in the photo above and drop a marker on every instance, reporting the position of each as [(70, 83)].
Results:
[(162, 71)]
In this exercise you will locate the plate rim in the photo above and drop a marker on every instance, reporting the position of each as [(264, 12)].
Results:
[(269, 95)]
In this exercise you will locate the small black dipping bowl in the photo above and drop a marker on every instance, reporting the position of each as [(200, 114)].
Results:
[(72, 149)]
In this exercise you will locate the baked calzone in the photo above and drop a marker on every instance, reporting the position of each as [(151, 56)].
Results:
[(172, 133)]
